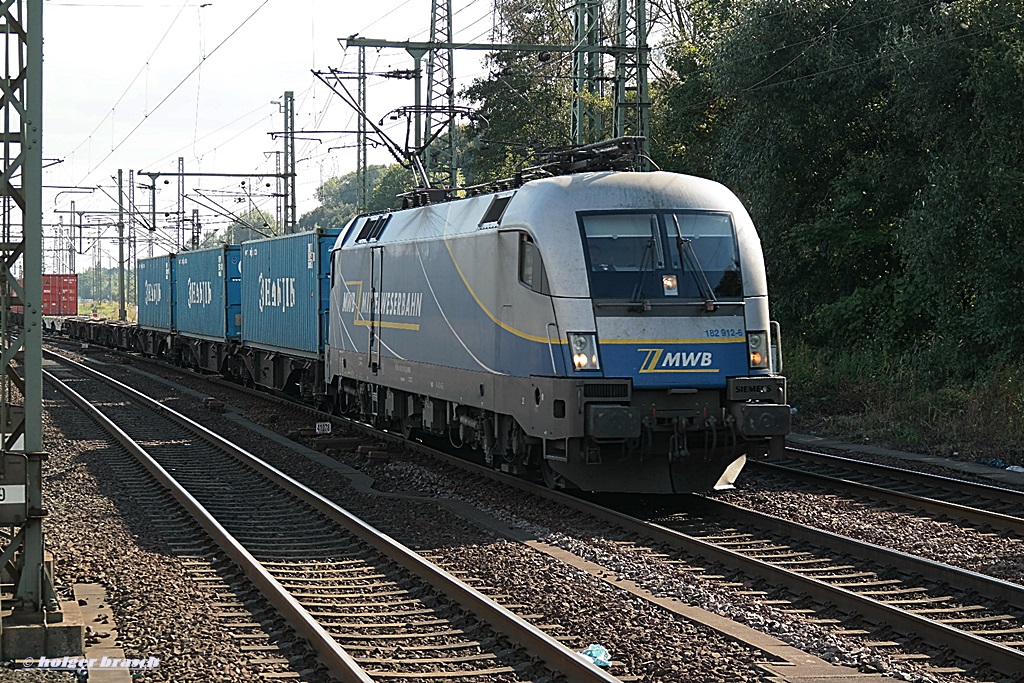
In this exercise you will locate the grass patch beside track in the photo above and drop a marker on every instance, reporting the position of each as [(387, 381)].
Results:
[(870, 398), (106, 309)]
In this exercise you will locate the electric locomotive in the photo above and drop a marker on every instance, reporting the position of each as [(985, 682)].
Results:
[(608, 331)]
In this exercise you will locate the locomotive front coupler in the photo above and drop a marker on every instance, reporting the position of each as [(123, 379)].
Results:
[(678, 450)]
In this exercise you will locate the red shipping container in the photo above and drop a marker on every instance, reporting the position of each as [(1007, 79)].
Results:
[(60, 294)]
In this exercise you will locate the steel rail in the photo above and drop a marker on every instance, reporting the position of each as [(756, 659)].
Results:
[(338, 662), (558, 657), (966, 645), (933, 506), (1004, 659), (998, 493), (962, 579)]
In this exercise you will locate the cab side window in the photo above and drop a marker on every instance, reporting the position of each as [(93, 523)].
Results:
[(531, 266)]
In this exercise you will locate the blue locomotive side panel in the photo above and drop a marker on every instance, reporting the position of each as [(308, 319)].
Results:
[(286, 290), (155, 294), (447, 299), (208, 293)]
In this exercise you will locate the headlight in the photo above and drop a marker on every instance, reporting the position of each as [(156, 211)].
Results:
[(584, 350), (757, 346), (670, 285)]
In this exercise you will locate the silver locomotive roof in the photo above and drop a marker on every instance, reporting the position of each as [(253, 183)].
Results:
[(547, 209)]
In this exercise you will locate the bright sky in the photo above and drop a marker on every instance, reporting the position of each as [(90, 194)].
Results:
[(136, 85)]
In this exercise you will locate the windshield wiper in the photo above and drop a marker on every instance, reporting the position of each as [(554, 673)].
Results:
[(684, 245), (638, 291)]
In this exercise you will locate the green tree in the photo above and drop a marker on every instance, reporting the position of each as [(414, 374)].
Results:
[(791, 107), (524, 101), (338, 196), (962, 73), (98, 284), (877, 147), (687, 115), (339, 199), (393, 182)]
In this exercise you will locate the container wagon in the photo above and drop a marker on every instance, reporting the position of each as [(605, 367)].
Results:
[(208, 316)]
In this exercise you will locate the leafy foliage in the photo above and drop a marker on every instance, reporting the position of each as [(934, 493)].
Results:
[(961, 240), (99, 284), (339, 199), (339, 196), (876, 143), (877, 147), (524, 101)]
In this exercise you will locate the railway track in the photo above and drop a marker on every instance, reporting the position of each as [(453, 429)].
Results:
[(977, 618), (953, 611), (341, 585), (982, 505)]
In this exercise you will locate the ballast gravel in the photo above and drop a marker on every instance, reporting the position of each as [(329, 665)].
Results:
[(604, 614), (98, 534), (948, 542)]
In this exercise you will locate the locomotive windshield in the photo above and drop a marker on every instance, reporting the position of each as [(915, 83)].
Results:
[(658, 255)]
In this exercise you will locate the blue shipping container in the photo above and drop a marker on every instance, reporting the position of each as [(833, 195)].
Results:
[(155, 293), (286, 291), (208, 293)]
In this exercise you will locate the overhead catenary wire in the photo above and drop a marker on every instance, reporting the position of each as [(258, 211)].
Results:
[(174, 89), (142, 70), (310, 108)]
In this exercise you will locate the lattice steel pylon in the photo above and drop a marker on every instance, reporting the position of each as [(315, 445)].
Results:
[(21, 245), (632, 96), (290, 221), (362, 164), (182, 242), (133, 236), (587, 121), (440, 119)]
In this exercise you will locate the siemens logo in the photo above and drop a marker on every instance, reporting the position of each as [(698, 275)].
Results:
[(755, 389)]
